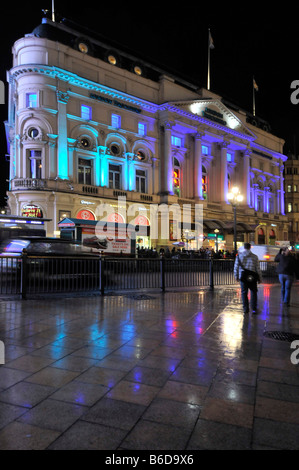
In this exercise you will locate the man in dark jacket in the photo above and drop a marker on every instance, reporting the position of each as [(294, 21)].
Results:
[(247, 260), (286, 270)]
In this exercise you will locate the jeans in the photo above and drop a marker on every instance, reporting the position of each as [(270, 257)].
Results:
[(253, 296), (286, 281)]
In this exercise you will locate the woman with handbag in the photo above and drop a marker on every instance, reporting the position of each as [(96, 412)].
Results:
[(286, 270), (247, 271)]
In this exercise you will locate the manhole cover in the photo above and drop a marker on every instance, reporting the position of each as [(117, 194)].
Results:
[(281, 335)]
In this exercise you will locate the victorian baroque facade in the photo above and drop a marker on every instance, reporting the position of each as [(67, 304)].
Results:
[(89, 124)]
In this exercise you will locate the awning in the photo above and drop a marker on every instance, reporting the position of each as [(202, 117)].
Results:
[(240, 226), (212, 224)]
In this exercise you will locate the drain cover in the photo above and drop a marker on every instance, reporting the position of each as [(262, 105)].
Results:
[(281, 335)]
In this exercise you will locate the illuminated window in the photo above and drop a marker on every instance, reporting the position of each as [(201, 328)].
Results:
[(141, 181), (141, 128), (114, 176), (84, 171), (204, 181), (205, 150), (31, 100), (115, 121), (229, 157), (289, 188), (289, 207), (177, 141), (85, 112), (35, 164), (176, 177)]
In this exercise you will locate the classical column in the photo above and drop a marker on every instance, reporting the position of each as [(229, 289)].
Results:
[(167, 174), (223, 173), (198, 166), (62, 151), (282, 208), (103, 167), (246, 177)]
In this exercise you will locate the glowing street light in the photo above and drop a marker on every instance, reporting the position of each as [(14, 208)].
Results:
[(235, 198)]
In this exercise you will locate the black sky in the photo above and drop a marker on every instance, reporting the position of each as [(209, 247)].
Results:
[(250, 39)]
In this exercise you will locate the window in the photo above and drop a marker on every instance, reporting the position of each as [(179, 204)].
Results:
[(260, 203), (114, 176), (229, 157), (35, 164), (115, 121), (271, 205), (141, 181), (205, 150), (84, 171), (177, 141), (31, 100), (141, 128), (295, 188), (176, 177), (204, 182), (289, 188), (86, 112), (289, 207)]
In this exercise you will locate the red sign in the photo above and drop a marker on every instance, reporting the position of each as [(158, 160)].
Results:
[(141, 220), (85, 215), (32, 211)]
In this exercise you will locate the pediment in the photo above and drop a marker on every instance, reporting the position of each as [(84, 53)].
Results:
[(214, 113)]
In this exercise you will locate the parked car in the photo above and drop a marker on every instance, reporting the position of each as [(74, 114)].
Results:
[(50, 260), (43, 245)]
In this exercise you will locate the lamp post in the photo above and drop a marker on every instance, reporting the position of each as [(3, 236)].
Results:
[(216, 231), (235, 197)]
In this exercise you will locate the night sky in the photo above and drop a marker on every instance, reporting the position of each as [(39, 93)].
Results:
[(250, 40)]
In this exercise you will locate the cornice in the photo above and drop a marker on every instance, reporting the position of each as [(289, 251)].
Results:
[(75, 80)]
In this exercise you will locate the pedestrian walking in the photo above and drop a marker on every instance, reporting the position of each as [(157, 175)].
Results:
[(247, 271), (287, 270)]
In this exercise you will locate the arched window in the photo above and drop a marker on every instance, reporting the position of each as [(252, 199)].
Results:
[(204, 180), (261, 236), (176, 177)]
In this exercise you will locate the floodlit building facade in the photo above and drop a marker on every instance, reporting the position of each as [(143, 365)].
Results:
[(89, 125), (291, 175)]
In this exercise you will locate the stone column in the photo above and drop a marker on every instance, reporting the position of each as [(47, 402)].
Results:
[(223, 173), (167, 174), (198, 166), (62, 151), (282, 208), (246, 178)]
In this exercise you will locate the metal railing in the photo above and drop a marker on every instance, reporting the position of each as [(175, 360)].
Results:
[(30, 275)]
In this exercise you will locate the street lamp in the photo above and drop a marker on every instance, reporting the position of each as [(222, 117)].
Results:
[(235, 197), (216, 231)]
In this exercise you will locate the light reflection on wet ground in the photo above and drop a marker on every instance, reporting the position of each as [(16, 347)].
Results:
[(173, 371)]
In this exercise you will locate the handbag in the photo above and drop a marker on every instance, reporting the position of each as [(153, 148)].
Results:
[(251, 277)]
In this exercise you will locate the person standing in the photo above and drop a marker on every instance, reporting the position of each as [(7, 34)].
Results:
[(286, 270), (245, 259)]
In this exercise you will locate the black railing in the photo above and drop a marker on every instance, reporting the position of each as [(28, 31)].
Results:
[(29, 275)]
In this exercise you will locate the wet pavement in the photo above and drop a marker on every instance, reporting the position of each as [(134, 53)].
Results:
[(147, 370)]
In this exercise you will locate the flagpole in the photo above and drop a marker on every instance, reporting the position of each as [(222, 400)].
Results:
[(253, 97), (53, 12), (208, 80)]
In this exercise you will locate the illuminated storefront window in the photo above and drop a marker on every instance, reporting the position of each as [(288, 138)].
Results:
[(176, 177), (204, 181)]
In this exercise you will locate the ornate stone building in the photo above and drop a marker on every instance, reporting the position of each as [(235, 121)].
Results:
[(89, 123)]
